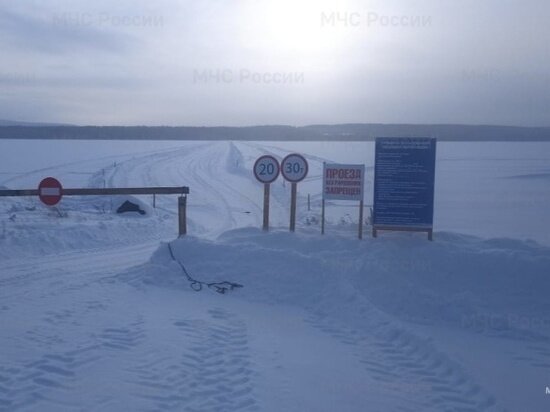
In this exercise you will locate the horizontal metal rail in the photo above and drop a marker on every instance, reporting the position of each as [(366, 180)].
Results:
[(105, 191)]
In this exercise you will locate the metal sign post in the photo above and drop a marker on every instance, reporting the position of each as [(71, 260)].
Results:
[(266, 170), (323, 216), (265, 225), (361, 206), (294, 169)]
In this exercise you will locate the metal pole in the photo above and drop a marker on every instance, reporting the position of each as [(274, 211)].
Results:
[(266, 206), (182, 215), (361, 220), (323, 217), (293, 207), (104, 192)]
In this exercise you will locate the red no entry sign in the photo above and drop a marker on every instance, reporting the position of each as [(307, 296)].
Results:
[(50, 191)]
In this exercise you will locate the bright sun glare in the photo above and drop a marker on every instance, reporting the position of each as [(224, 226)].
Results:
[(293, 26)]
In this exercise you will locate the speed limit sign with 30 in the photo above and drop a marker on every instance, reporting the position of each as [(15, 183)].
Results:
[(294, 168)]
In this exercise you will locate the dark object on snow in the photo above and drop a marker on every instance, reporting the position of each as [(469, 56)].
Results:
[(128, 206), (196, 285)]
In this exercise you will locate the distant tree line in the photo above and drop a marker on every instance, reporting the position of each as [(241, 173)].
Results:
[(343, 132)]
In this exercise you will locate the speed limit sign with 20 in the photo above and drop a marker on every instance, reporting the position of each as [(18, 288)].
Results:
[(266, 169)]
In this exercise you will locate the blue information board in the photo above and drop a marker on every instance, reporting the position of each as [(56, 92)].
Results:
[(404, 177)]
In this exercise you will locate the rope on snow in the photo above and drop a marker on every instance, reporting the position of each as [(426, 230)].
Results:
[(197, 285)]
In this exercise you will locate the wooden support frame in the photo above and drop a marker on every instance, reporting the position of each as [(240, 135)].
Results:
[(361, 219), (428, 230)]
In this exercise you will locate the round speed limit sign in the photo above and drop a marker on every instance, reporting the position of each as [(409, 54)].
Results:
[(266, 169), (294, 168)]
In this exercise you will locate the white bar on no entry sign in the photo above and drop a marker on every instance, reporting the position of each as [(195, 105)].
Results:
[(50, 191)]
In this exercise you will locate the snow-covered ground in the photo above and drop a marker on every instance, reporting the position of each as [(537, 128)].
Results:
[(96, 315)]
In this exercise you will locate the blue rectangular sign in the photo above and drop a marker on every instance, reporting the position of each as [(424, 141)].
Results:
[(404, 177)]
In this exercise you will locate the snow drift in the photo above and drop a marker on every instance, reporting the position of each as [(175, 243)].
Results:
[(386, 299)]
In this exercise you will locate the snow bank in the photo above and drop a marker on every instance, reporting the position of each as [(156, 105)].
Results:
[(497, 285), (29, 228), (425, 319)]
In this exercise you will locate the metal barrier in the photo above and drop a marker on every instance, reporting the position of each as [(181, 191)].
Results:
[(183, 191)]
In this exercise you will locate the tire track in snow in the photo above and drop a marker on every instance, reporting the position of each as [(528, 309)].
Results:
[(212, 373), (411, 365), (51, 381), (59, 287), (216, 202), (215, 205), (38, 382), (123, 338), (72, 269), (538, 357), (229, 193)]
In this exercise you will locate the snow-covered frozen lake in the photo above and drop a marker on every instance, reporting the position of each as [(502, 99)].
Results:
[(487, 189), (97, 315)]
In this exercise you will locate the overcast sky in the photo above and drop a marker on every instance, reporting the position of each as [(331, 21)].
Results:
[(297, 62)]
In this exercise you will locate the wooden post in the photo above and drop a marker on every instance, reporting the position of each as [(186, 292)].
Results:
[(361, 220), (266, 206), (293, 195), (154, 201), (182, 215), (323, 216)]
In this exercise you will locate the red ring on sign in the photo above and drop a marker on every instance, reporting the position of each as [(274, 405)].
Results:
[(50, 185), (270, 158), (305, 172)]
